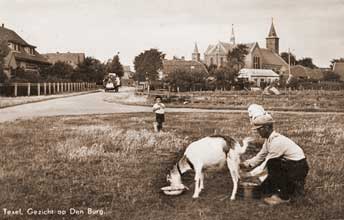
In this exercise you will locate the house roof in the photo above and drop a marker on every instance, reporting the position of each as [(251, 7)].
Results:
[(270, 57), (338, 68), (305, 72), (246, 73), (71, 58), (11, 36), (37, 58), (170, 66)]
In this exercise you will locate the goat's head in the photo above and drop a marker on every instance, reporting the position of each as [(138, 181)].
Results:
[(174, 178)]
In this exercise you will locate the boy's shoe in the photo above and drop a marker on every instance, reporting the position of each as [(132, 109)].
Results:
[(275, 200)]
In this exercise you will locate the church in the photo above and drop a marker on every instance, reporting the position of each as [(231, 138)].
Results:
[(257, 57)]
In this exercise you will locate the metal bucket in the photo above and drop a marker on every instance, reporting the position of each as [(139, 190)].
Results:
[(249, 190)]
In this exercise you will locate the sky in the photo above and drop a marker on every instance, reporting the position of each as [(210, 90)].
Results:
[(101, 29)]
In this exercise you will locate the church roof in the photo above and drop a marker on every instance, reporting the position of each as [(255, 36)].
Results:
[(223, 48), (270, 57)]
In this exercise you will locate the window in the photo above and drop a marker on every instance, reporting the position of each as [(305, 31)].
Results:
[(221, 61), (211, 61), (256, 62)]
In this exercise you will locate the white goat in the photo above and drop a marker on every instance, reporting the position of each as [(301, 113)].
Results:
[(209, 152)]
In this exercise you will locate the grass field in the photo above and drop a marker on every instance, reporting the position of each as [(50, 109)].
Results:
[(116, 164), (295, 100)]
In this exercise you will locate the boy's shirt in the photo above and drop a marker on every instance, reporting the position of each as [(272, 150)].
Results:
[(159, 108)]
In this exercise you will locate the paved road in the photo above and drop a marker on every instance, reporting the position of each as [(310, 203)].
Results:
[(77, 105), (93, 103)]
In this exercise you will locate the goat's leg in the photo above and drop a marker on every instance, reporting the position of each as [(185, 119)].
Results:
[(198, 173), (235, 177), (202, 181)]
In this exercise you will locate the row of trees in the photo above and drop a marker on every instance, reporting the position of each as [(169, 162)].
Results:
[(148, 63), (91, 70)]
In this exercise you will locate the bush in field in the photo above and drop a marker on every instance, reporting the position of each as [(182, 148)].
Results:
[(331, 76), (224, 77), (186, 80)]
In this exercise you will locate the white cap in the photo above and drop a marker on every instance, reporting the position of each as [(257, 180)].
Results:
[(262, 120)]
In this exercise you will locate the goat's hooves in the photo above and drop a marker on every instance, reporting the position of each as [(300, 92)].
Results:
[(195, 197), (232, 198)]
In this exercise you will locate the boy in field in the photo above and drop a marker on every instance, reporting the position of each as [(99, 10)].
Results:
[(159, 109)]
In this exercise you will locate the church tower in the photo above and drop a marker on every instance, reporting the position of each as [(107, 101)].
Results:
[(196, 56), (232, 36), (272, 41)]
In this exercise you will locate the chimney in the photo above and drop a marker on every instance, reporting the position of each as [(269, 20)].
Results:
[(183, 58), (3, 25)]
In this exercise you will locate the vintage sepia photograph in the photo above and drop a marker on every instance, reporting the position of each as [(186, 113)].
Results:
[(172, 109)]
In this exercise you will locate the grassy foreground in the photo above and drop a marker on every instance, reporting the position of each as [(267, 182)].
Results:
[(115, 166)]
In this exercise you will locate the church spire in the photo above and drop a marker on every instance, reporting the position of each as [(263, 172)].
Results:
[(196, 48), (196, 56), (232, 36), (272, 32), (272, 41)]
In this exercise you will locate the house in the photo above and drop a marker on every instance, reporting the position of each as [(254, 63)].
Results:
[(338, 68), (73, 59), (127, 78), (175, 65), (257, 57), (22, 54), (260, 77), (301, 72)]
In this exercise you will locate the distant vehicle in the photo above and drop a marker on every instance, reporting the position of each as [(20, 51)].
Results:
[(111, 82)]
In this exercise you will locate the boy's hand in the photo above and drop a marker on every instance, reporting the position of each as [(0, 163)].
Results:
[(245, 164)]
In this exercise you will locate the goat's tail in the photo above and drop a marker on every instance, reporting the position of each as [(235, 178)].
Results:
[(245, 142)]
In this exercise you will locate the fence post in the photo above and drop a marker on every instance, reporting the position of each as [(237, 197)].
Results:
[(28, 89), (38, 89), (54, 88), (49, 88), (58, 88), (45, 88), (15, 89)]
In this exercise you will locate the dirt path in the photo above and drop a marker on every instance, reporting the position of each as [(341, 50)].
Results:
[(94, 103)]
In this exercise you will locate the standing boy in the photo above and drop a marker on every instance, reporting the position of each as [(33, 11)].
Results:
[(159, 109)]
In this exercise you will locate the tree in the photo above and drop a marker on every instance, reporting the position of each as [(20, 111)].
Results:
[(224, 77), (148, 63), (57, 71), (115, 66), (20, 75), (185, 80), (236, 57), (4, 50), (306, 62), (91, 70), (285, 57)]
